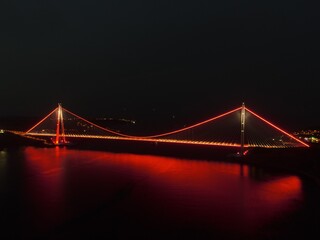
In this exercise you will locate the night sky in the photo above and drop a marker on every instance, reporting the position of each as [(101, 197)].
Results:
[(171, 60)]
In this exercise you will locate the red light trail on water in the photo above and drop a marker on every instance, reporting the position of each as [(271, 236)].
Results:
[(187, 189)]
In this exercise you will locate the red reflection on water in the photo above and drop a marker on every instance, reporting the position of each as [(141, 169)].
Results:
[(276, 196), (165, 191), (209, 193), (44, 185)]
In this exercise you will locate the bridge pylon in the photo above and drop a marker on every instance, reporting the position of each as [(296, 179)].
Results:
[(60, 138), (242, 123)]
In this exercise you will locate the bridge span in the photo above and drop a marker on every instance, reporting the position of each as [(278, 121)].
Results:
[(240, 127)]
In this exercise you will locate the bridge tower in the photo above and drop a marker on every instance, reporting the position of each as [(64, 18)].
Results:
[(60, 136), (242, 119)]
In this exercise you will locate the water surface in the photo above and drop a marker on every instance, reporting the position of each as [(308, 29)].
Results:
[(58, 193)]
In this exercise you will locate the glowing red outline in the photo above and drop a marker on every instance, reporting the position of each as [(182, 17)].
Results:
[(274, 126), (157, 135), (208, 143), (194, 125), (151, 137)]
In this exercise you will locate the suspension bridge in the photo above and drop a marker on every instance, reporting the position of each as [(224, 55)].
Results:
[(240, 127)]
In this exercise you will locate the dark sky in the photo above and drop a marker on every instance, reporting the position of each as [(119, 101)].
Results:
[(147, 59)]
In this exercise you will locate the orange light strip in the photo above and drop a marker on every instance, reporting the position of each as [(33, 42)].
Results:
[(144, 139), (279, 129), (223, 144), (41, 121)]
